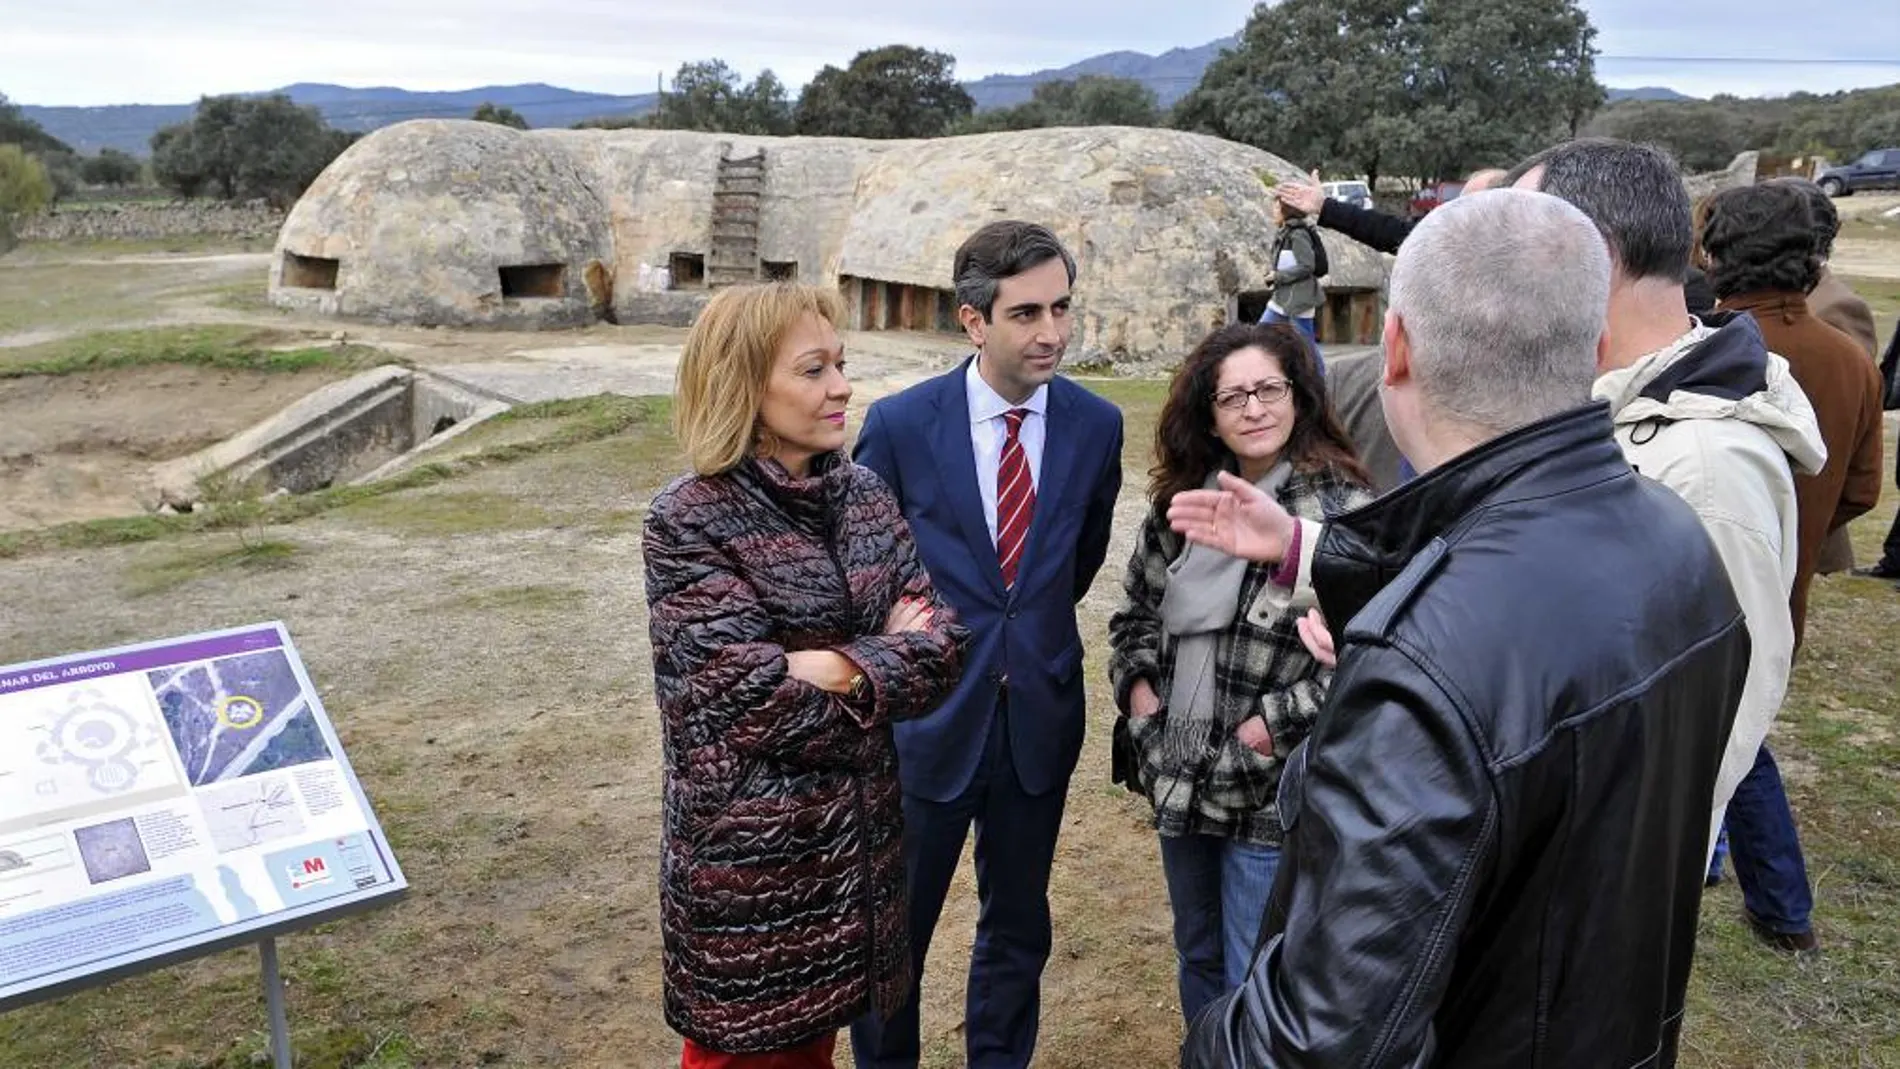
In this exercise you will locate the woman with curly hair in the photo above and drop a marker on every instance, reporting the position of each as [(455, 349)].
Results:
[(1214, 685), (1763, 260)]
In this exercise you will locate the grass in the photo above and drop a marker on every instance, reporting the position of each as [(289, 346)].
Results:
[(165, 574), (68, 286), (104, 248), (250, 295), (568, 423), (528, 598), (227, 348), (1870, 229), (444, 515)]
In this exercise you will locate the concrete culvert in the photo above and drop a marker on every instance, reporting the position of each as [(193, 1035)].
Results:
[(347, 432)]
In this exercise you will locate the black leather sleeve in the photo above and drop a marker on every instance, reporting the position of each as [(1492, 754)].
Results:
[(1392, 824), (1364, 225)]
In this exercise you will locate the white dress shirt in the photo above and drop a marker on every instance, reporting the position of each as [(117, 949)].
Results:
[(989, 430)]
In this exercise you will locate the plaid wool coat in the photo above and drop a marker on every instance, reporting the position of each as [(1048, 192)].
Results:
[(1261, 668)]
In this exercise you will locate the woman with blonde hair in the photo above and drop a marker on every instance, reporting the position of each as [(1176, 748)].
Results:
[(791, 624)]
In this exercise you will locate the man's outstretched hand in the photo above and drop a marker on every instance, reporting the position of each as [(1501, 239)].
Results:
[(1237, 519), (1307, 197)]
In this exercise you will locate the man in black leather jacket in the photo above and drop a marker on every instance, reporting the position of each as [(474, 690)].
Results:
[(1496, 833)]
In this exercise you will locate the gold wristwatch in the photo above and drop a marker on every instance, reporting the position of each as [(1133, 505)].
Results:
[(859, 687)]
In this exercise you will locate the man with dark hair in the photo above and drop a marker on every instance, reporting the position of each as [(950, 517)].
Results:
[(1701, 406), (1008, 475), (1835, 303), (1489, 866)]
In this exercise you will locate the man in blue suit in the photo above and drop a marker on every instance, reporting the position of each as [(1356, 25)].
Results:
[(1008, 476)]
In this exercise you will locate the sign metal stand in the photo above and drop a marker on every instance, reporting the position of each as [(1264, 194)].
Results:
[(274, 999)]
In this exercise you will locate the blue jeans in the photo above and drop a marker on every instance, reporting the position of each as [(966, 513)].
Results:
[(1219, 889), (1307, 326), (1766, 851)]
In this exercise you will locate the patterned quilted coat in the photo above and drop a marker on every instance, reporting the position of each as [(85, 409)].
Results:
[(782, 903)]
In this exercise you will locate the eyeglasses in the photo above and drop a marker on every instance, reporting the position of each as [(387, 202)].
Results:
[(1270, 392)]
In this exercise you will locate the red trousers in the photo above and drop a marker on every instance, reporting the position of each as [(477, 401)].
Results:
[(813, 1055)]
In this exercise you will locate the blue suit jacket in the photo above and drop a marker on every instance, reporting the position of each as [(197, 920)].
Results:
[(918, 441)]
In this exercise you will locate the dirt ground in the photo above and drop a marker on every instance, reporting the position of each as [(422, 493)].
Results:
[(1865, 248), (481, 646), (77, 447)]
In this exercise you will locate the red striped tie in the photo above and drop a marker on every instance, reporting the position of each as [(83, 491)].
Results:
[(1015, 497)]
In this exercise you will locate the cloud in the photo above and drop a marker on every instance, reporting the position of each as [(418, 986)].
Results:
[(141, 52), (121, 51)]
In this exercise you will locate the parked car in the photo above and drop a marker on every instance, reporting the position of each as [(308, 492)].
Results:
[(1879, 169), (1434, 195), (1354, 193)]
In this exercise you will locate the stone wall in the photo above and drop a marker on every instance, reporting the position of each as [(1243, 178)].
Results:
[(150, 222), (1741, 171)]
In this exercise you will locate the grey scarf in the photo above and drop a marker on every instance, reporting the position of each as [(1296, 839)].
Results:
[(1201, 600)]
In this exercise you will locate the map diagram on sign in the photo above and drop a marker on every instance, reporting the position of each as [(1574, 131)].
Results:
[(251, 813), (237, 716)]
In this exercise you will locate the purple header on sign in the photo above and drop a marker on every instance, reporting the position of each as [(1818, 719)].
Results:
[(48, 675)]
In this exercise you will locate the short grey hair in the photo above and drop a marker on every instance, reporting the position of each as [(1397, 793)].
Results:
[(1503, 296)]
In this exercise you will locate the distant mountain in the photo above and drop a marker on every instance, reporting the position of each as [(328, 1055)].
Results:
[(130, 127), (1171, 75), (1647, 92)]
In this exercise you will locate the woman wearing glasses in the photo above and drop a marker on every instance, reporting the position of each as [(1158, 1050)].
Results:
[(1213, 682)]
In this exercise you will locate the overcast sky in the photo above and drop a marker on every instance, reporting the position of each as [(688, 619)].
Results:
[(173, 51)]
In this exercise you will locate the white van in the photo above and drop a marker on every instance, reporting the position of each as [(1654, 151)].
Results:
[(1353, 193)]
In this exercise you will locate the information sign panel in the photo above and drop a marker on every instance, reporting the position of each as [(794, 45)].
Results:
[(167, 800)]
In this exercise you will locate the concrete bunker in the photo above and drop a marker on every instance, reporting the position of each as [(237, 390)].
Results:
[(542, 281), (310, 272), (686, 271), (449, 225), (1348, 317), (874, 304), (1351, 316), (1171, 230)]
